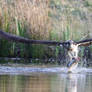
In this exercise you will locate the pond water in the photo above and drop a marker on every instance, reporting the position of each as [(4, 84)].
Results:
[(44, 79)]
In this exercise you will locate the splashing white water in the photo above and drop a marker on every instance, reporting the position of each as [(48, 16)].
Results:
[(22, 70)]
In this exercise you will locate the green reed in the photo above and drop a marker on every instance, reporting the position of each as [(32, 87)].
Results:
[(60, 21)]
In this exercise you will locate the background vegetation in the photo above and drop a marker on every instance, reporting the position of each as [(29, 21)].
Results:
[(43, 20)]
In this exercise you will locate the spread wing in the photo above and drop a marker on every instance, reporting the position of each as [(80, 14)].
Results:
[(15, 38), (86, 42)]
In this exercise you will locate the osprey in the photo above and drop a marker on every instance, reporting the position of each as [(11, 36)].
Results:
[(72, 50), (71, 46)]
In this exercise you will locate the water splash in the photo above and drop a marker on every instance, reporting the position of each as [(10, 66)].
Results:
[(25, 70)]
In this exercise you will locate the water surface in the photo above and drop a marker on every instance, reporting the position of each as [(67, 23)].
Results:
[(44, 79)]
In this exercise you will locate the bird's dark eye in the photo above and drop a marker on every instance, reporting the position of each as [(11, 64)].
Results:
[(67, 45)]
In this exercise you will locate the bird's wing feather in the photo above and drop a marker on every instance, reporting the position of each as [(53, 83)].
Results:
[(11, 37), (86, 42)]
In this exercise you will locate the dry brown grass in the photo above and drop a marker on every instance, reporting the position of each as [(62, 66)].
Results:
[(32, 13), (45, 20)]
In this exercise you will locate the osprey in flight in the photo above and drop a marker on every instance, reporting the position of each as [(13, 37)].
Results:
[(71, 46), (72, 50)]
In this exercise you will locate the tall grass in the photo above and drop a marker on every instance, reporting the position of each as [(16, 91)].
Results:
[(43, 20), (24, 18)]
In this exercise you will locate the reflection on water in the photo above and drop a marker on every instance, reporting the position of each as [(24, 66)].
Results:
[(73, 83), (46, 82)]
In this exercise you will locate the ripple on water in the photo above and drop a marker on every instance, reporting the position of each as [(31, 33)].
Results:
[(20, 70)]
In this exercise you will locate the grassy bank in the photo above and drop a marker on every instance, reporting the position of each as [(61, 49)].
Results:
[(43, 20)]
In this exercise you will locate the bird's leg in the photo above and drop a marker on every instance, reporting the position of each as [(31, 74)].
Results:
[(73, 55)]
